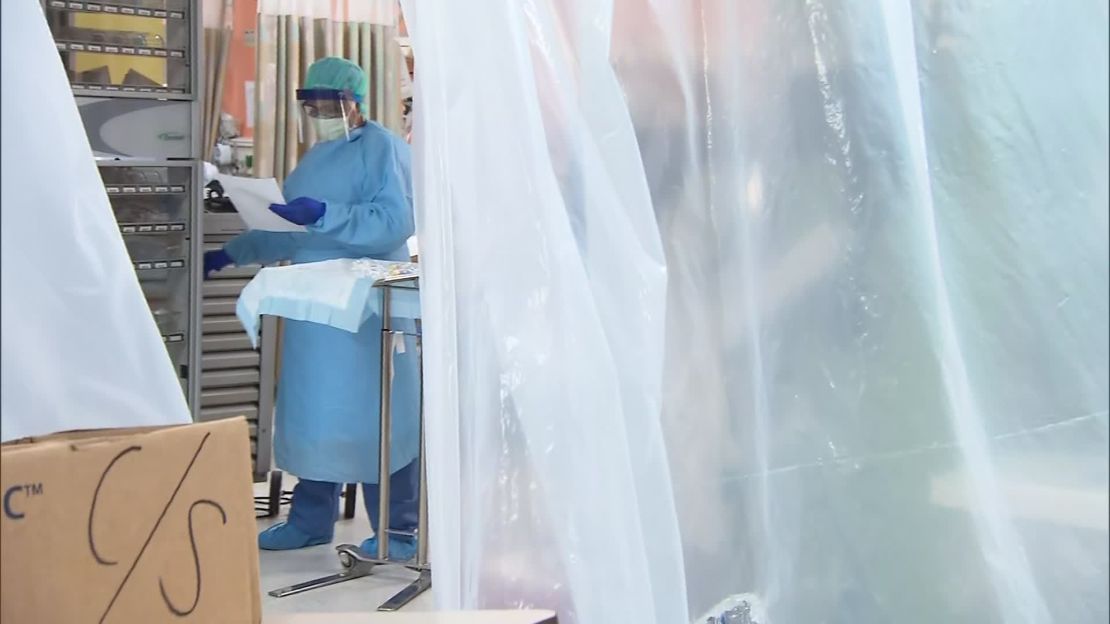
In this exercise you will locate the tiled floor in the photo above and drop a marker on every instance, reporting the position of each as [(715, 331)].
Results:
[(279, 569)]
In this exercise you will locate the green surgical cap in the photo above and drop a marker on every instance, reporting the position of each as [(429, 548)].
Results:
[(333, 72)]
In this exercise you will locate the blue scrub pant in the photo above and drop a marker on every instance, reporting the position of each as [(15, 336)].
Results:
[(315, 506)]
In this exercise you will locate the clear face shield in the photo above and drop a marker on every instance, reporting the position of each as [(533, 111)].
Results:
[(326, 114)]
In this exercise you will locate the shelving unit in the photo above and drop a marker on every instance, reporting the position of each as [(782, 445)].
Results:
[(93, 36), (133, 66), (157, 230)]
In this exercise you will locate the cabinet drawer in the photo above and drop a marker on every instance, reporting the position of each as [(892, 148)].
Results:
[(232, 411), (230, 378), (219, 306), (226, 342), (228, 396), (145, 248), (224, 288), (221, 325), (230, 359)]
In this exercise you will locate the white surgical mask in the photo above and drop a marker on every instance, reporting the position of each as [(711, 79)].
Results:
[(330, 129)]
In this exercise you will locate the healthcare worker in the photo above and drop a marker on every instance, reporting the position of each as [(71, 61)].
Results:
[(352, 192)]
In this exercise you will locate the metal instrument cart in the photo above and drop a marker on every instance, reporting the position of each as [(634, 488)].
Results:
[(354, 563)]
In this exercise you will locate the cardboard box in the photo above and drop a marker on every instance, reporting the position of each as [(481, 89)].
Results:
[(130, 525)]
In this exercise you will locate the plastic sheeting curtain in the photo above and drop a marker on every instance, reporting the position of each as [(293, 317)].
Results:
[(79, 347), (294, 33), (542, 262), (872, 386)]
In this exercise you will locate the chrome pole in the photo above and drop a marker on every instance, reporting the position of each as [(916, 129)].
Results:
[(422, 518), (385, 427)]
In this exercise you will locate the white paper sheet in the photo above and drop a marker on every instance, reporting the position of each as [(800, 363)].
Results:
[(252, 198)]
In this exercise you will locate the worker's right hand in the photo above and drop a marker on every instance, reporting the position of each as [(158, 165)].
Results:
[(214, 261)]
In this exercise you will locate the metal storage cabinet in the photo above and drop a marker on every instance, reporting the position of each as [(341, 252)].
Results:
[(153, 207), (134, 69), (236, 379)]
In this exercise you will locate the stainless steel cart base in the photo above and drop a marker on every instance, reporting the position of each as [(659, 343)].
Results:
[(357, 565), (354, 562)]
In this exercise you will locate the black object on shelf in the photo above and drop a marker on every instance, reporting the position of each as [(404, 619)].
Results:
[(215, 200)]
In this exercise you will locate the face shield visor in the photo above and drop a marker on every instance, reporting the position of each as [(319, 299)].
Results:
[(327, 114)]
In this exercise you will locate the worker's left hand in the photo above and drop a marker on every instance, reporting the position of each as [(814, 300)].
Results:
[(302, 211), (216, 260)]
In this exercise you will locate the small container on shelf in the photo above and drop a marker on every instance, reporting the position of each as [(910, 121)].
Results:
[(149, 199), (168, 247), (124, 46)]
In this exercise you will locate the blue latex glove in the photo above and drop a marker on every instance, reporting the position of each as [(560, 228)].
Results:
[(214, 261), (302, 211)]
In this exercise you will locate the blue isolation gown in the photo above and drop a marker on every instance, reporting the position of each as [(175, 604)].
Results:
[(329, 391)]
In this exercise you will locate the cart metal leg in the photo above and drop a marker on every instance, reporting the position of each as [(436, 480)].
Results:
[(354, 562), (354, 566), (275, 493), (422, 584), (350, 498), (269, 505)]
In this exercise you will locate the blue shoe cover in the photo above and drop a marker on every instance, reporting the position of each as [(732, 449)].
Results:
[(285, 536), (400, 548)]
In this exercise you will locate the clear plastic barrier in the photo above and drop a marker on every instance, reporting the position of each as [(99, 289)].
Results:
[(80, 347), (871, 385)]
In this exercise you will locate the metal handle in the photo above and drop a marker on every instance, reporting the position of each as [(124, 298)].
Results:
[(393, 280)]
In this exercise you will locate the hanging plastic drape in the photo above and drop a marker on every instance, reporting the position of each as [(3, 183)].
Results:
[(79, 347), (544, 366), (876, 389)]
